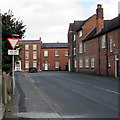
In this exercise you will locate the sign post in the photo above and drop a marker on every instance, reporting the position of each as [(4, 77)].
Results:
[(13, 42)]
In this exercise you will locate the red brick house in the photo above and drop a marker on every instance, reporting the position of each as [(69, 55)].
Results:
[(54, 56), (97, 49), (43, 56)]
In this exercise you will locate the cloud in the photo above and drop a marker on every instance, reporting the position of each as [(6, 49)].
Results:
[(49, 19)]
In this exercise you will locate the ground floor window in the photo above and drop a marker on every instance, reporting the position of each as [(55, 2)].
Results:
[(34, 63), (87, 62), (26, 64), (57, 64), (80, 63), (75, 63), (92, 62)]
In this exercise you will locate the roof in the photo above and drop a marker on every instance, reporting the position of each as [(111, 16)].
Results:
[(55, 45), (29, 41), (109, 25), (80, 27)]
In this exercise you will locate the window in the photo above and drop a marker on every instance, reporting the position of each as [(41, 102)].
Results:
[(87, 62), (26, 64), (66, 53), (103, 41), (34, 63), (74, 51), (26, 55), (84, 47), (26, 47), (111, 45), (92, 62), (80, 33), (45, 53), (34, 55), (57, 64), (56, 53), (34, 47), (74, 37), (109, 64), (80, 48), (75, 63), (80, 63)]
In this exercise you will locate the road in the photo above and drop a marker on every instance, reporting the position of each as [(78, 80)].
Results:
[(66, 95)]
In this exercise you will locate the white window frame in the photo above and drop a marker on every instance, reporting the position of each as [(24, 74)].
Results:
[(34, 63), (92, 62), (103, 40), (86, 62), (81, 48), (56, 53), (26, 47), (75, 64), (84, 47), (34, 55), (74, 50), (26, 55), (46, 53), (34, 47), (74, 37), (111, 44), (80, 33), (26, 64), (66, 53), (57, 64), (80, 63)]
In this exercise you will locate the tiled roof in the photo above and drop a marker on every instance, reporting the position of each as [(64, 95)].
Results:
[(29, 41), (54, 45), (110, 25)]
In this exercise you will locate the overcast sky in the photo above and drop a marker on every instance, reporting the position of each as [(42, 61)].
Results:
[(49, 19)]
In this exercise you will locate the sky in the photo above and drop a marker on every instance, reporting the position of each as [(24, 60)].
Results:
[(50, 19)]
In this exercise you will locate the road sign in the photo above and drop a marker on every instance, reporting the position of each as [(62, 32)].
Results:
[(13, 52), (13, 41)]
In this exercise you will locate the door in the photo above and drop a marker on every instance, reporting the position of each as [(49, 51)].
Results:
[(46, 65), (116, 66)]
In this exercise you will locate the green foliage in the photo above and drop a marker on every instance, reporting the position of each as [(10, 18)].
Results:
[(10, 26)]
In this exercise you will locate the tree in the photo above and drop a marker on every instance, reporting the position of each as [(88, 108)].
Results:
[(10, 27)]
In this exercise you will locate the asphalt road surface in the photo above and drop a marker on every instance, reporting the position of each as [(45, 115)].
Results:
[(66, 95)]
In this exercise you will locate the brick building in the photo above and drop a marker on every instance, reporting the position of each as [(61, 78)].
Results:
[(93, 45), (43, 56)]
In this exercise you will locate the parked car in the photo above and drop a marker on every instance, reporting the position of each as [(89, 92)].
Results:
[(32, 70)]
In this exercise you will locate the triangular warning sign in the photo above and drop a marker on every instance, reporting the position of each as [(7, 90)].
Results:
[(13, 41)]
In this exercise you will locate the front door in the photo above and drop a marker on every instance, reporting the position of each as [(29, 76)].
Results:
[(46, 66)]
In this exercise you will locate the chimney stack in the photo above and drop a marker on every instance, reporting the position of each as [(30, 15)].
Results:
[(99, 18)]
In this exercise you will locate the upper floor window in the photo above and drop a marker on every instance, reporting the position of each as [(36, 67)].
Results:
[(74, 51), (80, 33), (103, 41), (87, 62), (84, 47), (26, 55), (56, 53), (111, 45), (92, 62), (74, 37), (26, 47), (34, 55), (80, 48), (66, 53), (34, 47), (45, 53)]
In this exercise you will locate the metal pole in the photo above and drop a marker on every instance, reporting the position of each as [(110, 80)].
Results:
[(13, 76)]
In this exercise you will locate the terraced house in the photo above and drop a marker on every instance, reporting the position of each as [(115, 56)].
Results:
[(43, 56), (93, 45)]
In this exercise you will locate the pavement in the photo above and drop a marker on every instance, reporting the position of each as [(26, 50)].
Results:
[(63, 95)]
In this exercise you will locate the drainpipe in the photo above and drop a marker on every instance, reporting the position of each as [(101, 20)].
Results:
[(98, 56)]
